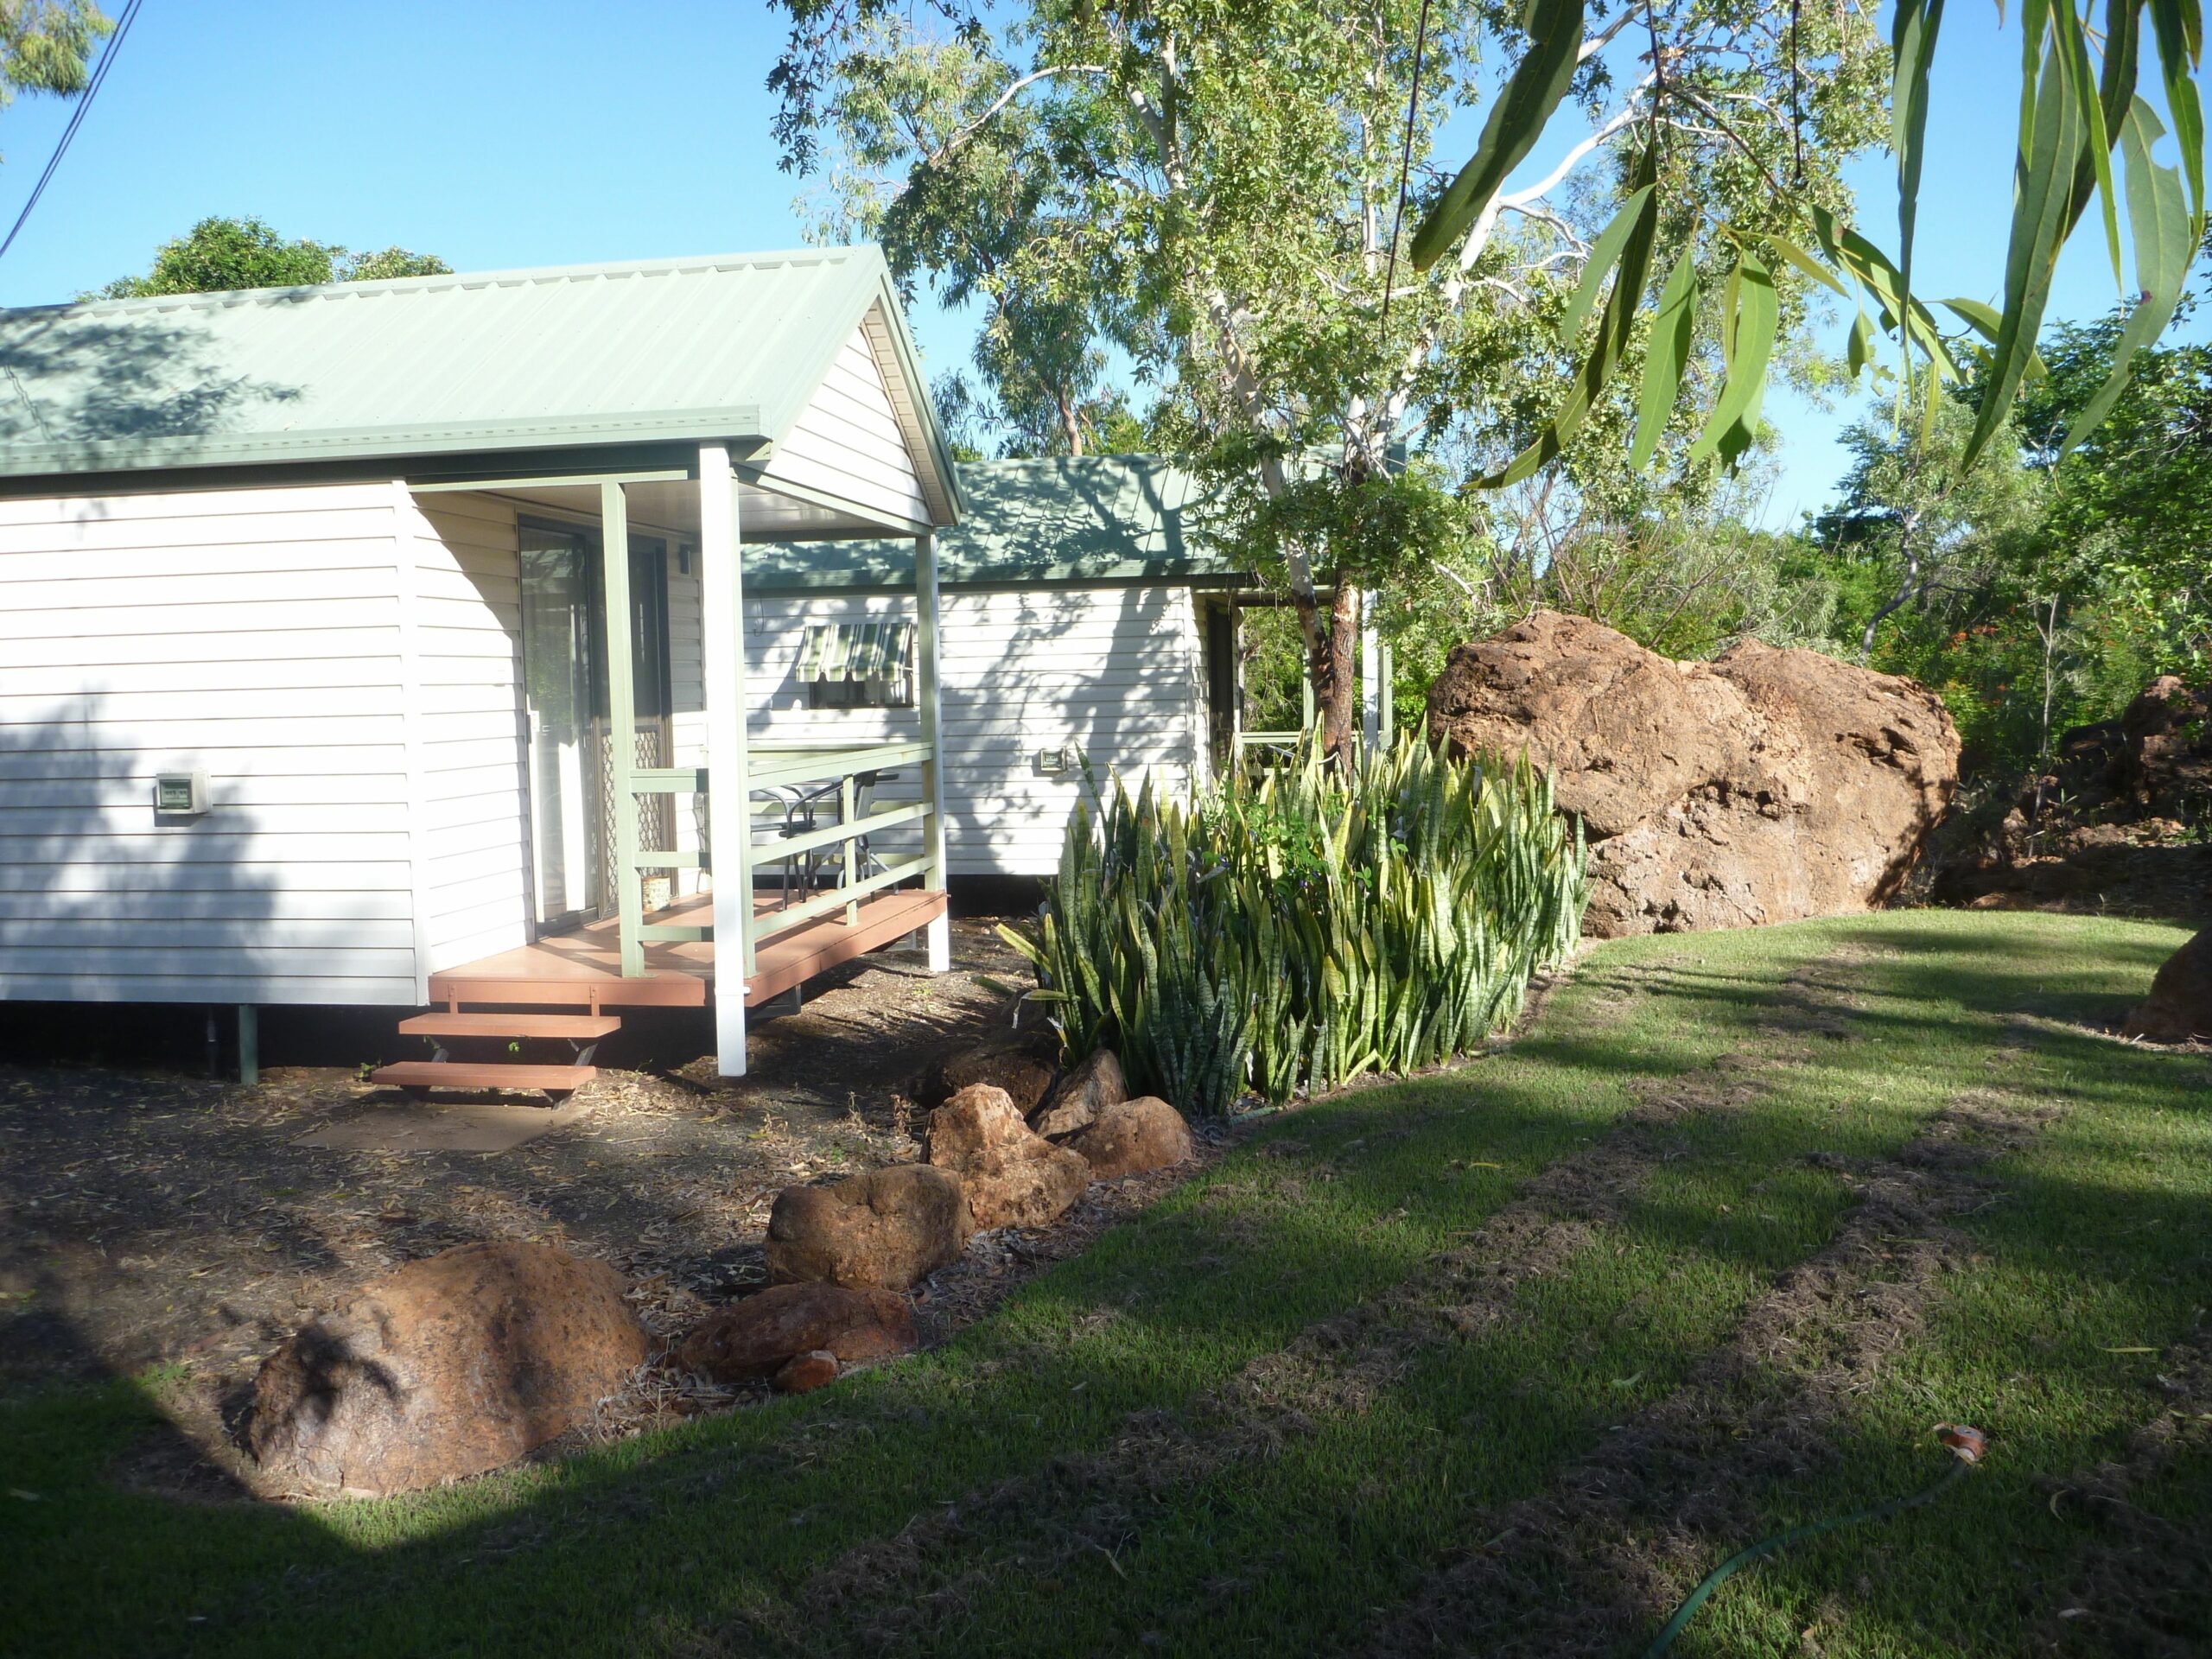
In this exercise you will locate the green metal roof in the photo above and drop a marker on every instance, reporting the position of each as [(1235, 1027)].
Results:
[(574, 358), (1090, 519)]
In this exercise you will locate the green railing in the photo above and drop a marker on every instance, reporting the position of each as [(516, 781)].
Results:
[(770, 766)]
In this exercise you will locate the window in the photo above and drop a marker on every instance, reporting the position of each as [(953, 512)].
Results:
[(858, 666)]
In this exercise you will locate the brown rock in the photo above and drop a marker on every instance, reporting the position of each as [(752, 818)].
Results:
[(1132, 1137), (804, 1373), (1022, 1068), (889, 1227), (1760, 787), (1013, 1177), (755, 1338), (2179, 1007), (1078, 1097), (452, 1366)]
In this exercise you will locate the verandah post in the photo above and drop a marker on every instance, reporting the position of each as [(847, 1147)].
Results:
[(939, 935), (622, 722), (729, 818)]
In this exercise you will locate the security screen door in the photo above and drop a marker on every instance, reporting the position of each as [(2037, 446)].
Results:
[(564, 673)]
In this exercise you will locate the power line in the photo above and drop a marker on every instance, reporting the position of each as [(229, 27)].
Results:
[(1405, 172), (76, 120)]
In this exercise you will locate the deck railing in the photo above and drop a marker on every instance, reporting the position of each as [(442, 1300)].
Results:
[(771, 766)]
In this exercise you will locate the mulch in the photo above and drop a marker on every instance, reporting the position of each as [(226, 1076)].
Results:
[(157, 1219)]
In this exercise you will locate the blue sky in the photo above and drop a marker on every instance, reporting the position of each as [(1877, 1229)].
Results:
[(501, 135)]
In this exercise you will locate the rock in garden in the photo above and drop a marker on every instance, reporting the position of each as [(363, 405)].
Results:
[(889, 1227), (1133, 1137), (2179, 1007), (452, 1366), (1013, 1177), (1763, 786), (1023, 1068), (759, 1335), (804, 1373), (1078, 1097)]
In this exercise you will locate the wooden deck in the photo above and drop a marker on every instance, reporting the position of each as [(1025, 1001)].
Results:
[(583, 969)]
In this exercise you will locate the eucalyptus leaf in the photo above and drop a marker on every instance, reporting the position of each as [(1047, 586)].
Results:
[(1517, 119), (1666, 356)]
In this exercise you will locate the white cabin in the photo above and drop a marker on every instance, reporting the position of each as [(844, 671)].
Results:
[(309, 692)]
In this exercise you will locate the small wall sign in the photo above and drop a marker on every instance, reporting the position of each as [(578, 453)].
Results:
[(180, 794)]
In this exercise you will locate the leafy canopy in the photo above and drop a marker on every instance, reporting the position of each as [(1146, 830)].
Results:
[(218, 254)]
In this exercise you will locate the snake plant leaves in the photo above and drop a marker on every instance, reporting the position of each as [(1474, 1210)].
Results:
[(1912, 42), (1604, 253), (2043, 210), (1666, 356), (1613, 327), (2165, 235), (1747, 341), (1524, 108), (2180, 27)]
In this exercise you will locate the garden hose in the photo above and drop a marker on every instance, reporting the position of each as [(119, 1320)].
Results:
[(1965, 1446)]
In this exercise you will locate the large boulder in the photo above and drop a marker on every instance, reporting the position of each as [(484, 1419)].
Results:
[(1133, 1137), (1022, 1066), (758, 1336), (1075, 1101), (1763, 786), (2179, 1007), (452, 1366), (890, 1227), (1013, 1177)]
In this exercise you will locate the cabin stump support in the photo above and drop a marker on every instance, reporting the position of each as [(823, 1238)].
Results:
[(249, 1044)]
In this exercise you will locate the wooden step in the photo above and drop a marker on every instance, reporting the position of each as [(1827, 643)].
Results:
[(577, 1027), (559, 1081)]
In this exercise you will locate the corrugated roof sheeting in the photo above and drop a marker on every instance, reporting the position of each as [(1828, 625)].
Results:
[(1086, 519), (722, 347)]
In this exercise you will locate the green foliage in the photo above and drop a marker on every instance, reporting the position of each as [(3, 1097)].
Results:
[(1302, 927), (46, 45), (220, 255)]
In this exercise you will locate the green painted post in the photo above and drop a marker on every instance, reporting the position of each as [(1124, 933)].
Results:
[(249, 1044), (848, 800), (622, 722)]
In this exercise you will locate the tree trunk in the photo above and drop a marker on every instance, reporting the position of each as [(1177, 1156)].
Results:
[(1329, 648)]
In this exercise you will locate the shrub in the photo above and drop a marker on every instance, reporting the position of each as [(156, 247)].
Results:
[(1296, 927)]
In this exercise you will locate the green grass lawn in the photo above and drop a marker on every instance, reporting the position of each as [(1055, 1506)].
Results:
[(1498, 1361)]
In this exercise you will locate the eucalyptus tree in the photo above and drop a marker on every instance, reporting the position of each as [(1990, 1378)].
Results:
[(47, 46), (1220, 190)]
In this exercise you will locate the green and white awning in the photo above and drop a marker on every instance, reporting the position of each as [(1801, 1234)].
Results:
[(856, 650)]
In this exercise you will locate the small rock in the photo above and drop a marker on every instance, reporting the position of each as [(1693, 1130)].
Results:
[(1021, 1068), (452, 1366), (889, 1227), (2179, 1007), (1133, 1136), (1013, 1177), (1076, 1101), (804, 1373), (757, 1336)]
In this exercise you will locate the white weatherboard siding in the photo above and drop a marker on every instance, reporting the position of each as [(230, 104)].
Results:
[(1116, 671), (467, 651), (254, 635), (849, 443)]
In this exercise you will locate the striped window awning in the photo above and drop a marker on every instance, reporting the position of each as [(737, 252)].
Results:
[(856, 650)]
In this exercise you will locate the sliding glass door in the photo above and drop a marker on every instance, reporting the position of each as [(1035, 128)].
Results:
[(564, 679)]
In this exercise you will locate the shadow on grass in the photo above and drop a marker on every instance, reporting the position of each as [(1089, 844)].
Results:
[(707, 1538)]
